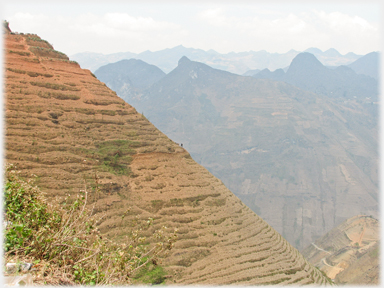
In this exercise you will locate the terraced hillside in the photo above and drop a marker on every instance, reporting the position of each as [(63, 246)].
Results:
[(70, 132), (349, 253), (314, 158)]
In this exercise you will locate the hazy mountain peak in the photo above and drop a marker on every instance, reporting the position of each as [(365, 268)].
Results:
[(313, 50), (178, 47), (367, 64), (184, 60), (304, 61), (211, 51), (332, 52), (134, 72)]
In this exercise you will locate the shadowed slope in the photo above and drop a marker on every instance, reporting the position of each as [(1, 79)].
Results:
[(71, 131), (367, 64)]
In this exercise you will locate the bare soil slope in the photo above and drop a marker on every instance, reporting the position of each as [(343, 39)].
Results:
[(349, 253), (70, 132)]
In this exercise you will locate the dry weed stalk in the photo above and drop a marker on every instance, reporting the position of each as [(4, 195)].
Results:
[(64, 243)]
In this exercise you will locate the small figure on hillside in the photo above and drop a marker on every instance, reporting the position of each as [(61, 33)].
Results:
[(181, 144)]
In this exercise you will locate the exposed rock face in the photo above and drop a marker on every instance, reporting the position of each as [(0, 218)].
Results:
[(349, 253), (73, 133)]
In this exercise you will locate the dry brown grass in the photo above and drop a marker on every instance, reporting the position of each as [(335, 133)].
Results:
[(159, 179), (64, 243)]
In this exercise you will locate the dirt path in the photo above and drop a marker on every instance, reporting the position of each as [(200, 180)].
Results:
[(362, 235), (325, 263), (318, 248), (331, 273)]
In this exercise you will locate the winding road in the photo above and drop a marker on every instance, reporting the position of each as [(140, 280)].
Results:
[(318, 248)]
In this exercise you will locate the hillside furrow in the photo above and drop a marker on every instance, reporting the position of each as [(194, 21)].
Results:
[(70, 133)]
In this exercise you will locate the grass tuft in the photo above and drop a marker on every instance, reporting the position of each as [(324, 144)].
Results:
[(64, 243)]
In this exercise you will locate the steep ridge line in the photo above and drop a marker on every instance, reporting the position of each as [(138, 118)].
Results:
[(71, 131), (261, 137)]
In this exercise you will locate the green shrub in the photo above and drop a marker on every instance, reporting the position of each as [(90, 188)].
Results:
[(21, 53), (22, 201), (85, 111), (115, 155), (54, 86), (58, 95), (37, 39), (48, 52), (151, 274), (30, 73), (108, 112), (65, 241)]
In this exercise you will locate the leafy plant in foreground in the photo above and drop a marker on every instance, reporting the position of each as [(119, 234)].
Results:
[(64, 242)]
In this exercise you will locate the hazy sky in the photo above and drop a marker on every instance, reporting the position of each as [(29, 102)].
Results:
[(121, 26)]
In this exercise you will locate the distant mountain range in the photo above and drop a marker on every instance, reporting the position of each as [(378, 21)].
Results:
[(127, 76), (238, 63), (303, 161), (307, 72), (367, 65), (78, 141)]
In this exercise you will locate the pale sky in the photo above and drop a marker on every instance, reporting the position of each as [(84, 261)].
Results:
[(121, 26)]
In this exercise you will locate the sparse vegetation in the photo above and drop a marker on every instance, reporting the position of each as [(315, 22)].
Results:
[(21, 53), (116, 155), (325, 276), (108, 112), (70, 84), (102, 102), (158, 186), (216, 202), (34, 38), (30, 73), (47, 52), (58, 95), (177, 202), (150, 274), (85, 111), (81, 151), (54, 86), (66, 244), (32, 60), (149, 178), (157, 204)]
